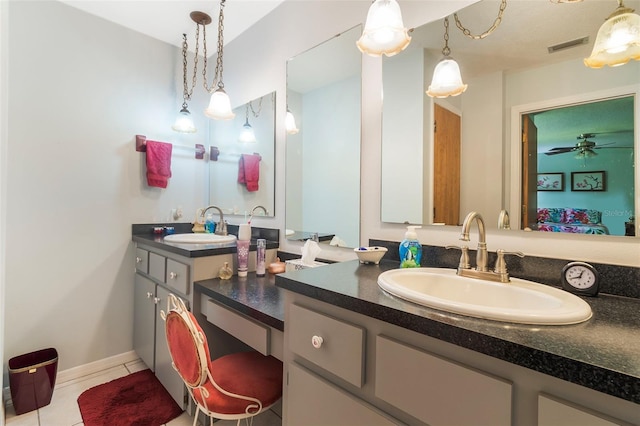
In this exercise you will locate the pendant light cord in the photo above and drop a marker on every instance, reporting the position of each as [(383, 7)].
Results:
[(496, 23), (186, 92), (445, 50), (217, 78)]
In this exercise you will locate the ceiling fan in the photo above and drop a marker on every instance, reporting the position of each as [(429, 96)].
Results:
[(584, 148)]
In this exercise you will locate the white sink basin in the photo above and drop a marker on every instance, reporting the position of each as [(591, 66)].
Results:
[(199, 238), (518, 301)]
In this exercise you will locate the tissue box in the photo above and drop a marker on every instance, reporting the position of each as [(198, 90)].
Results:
[(296, 264)]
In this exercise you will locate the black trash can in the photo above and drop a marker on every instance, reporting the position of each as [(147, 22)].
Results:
[(32, 377)]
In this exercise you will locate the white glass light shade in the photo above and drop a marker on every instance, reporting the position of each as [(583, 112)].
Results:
[(618, 40), (290, 124), (184, 122), (247, 134), (446, 80), (384, 32), (219, 106)]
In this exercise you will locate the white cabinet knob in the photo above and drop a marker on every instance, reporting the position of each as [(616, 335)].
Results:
[(156, 300), (138, 259), (149, 295), (173, 275), (316, 341)]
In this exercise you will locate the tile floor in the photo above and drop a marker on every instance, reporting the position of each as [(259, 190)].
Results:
[(63, 409)]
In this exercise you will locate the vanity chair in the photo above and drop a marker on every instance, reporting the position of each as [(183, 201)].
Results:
[(233, 387)]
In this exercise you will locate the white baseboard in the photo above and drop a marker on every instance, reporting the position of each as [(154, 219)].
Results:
[(96, 366), (86, 369)]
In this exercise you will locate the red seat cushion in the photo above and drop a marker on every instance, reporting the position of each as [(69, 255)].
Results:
[(245, 373), (249, 374)]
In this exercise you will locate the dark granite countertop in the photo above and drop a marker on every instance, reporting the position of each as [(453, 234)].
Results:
[(143, 234), (602, 353), (256, 297)]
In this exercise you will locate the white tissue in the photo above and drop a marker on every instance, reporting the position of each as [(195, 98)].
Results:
[(310, 250), (337, 242)]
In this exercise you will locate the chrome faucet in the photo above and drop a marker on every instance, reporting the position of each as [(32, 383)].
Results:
[(481, 271), (503, 220), (221, 227), (481, 253), (253, 210)]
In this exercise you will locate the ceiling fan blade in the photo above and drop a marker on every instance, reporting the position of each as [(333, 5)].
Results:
[(561, 150)]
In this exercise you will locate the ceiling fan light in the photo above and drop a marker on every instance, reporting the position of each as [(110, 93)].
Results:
[(219, 106), (618, 40), (184, 122), (384, 32), (446, 79)]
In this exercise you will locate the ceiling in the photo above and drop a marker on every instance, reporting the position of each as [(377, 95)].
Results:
[(167, 20)]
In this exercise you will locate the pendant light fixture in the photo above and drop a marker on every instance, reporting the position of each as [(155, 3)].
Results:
[(290, 123), (184, 122), (618, 39), (384, 32), (247, 135), (447, 80), (220, 105), (446, 77)]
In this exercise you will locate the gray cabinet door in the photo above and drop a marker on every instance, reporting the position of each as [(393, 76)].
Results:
[(144, 325), (165, 372)]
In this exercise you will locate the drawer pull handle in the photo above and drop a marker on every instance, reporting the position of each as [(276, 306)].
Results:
[(316, 341), (173, 275), (149, 295)]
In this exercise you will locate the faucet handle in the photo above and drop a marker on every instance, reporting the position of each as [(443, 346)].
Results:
[(501, 265), (464, 256)]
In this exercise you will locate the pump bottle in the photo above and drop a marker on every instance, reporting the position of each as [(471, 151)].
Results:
[(410, 249)]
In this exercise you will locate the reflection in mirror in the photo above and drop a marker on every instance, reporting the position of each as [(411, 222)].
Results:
[(535, 56), (323, 158), (578, 173), (250, 136)]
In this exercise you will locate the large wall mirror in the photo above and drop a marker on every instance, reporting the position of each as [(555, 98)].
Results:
[(445, 157), (323, 158), (250, 136)]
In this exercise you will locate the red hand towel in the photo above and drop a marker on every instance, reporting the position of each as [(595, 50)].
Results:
[(158, 163), (249, 171)]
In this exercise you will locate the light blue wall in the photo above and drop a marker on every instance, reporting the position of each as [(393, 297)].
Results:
[(615, 203)]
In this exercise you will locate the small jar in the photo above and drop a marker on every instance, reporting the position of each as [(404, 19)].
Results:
[(225, 272)]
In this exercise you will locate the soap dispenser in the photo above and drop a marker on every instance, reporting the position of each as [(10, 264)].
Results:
[(410, 249)]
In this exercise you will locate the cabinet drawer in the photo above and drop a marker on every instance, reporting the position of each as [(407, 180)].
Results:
[(157, 264), (142, 260), (313, 401), (177, 276), (334, 345), (250, 332), (553, 412), (436, 391)]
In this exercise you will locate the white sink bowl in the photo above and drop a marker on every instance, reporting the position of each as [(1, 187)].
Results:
[(519, 301), (199, 238)]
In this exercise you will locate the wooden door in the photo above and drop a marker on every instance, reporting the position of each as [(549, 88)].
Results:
[(529, 173), (446, 167)]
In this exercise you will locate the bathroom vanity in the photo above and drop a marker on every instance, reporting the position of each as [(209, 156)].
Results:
[(356, 355), (162, 268)]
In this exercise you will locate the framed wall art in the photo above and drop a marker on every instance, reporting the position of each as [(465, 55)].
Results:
[(588, 181), (550, 182)]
